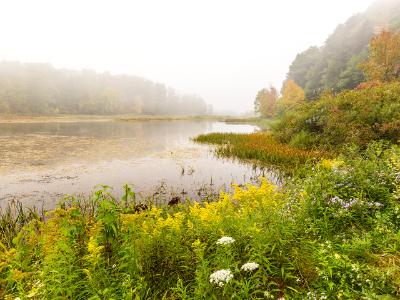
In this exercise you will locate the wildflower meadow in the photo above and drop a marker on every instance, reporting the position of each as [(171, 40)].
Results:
[(332, 234)]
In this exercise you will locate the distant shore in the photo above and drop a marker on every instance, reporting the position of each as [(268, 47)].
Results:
[(5, 119)]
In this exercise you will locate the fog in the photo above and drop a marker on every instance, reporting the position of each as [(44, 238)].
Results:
[(223, 51)]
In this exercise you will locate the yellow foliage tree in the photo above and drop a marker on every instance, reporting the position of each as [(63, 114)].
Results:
[(383, 62), (265, 102), (292, 96)]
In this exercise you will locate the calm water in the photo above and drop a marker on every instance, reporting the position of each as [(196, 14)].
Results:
[(40, 162)]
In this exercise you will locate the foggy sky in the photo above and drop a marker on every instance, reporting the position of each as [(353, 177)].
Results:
[(222, 50)]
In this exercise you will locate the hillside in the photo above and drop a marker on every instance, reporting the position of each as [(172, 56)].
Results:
[(334, 66), (36, 88)]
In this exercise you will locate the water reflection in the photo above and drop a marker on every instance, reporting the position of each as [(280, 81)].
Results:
[(42, 161)]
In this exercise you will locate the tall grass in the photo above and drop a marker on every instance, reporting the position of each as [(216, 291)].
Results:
[(261, 147), (263, 123), (13, 218)]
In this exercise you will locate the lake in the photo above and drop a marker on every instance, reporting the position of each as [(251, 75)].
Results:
[(43, 161)]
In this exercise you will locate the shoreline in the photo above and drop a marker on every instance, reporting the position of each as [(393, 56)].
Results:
[(15, 119)]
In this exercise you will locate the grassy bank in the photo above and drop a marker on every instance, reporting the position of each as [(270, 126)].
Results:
[(169, 118), (10, 118), (260, 147), (13, 118), (263, 123), (331, 235)]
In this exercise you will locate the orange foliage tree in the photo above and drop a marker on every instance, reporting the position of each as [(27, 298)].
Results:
[(265, 103), (292, 96), (383, 62)]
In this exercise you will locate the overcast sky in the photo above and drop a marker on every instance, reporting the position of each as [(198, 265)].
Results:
[(222, 50)]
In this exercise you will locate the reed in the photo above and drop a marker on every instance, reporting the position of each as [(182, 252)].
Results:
[(261, 147)]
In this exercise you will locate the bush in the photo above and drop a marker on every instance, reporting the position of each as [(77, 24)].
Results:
[(351, 117)]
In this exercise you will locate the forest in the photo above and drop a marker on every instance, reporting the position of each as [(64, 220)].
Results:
[(334, 66), (35, 88)]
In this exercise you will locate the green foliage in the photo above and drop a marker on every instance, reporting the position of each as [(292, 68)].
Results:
[(334, 66), (41, 89), (351, 117), (332, 234)]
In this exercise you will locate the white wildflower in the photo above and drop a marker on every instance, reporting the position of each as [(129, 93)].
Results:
[(354, 268), (311, 296), (225, 240), (221, 277), (268, 295), (323, 297), (250, 266), (374, 204)]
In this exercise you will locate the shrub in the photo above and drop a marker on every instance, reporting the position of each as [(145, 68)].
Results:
[(351, 117)]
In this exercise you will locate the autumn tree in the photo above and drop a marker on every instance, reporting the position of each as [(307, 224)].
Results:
[(383, 62), (265, 103), (292, 96)]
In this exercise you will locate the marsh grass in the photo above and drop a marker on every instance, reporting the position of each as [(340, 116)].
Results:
[(13, 218), (262, 123), (133, 118), (260, 147)]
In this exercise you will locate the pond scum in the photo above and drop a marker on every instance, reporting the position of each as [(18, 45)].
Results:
[(333, 234)]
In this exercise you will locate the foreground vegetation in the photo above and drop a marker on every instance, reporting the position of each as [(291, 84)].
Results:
[(340, 234), (332, 234)]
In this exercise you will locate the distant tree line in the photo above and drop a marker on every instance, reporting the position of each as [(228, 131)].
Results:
[(33, 88)]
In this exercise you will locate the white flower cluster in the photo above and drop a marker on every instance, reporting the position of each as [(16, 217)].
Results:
[(343, 203), (250, 266), (225, 240), (350, 203), (221, 277), (374, 204), (314, 296)]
